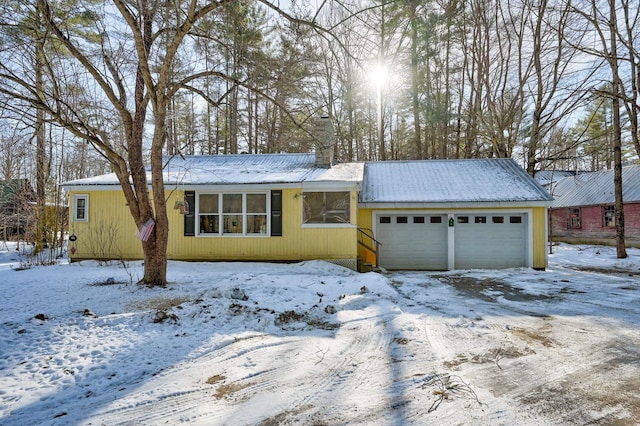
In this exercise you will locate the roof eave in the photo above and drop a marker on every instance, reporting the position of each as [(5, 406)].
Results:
[(453, 204), (314, 185)]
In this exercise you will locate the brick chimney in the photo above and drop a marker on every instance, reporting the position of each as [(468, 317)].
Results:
[(323, 132)]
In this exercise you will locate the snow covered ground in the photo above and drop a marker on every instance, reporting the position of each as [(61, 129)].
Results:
[(314, 343)]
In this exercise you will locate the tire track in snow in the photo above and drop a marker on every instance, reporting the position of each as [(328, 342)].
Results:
[(328, 380), (154, 407), (291, 382)]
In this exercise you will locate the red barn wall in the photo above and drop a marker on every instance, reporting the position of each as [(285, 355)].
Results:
[(592, 230)]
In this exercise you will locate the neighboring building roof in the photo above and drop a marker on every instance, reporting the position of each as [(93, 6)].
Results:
[(548, 177), (595, 188), (204, 170), (449, 181)]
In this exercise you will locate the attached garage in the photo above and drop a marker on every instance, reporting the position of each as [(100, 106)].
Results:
[(454, 214), (424, 240)]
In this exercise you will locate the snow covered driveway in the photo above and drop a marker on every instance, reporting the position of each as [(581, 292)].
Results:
[(313, 343)]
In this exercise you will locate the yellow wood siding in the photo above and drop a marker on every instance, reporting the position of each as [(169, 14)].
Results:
[(111, 233), (365, 217), (298, 242), (364, 222), (539, 237)]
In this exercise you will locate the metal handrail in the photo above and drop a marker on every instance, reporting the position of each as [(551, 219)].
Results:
[(363, 231)]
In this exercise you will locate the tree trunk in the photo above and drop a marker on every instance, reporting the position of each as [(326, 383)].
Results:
[(415, 99), (155, 248), (632, 100), (617, 133), (41, 164), (537, 111)]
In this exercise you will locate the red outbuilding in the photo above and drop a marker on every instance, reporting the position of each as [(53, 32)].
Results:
[(583, 208)]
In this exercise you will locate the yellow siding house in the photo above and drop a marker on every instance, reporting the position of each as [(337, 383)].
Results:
[(271, 207), (422, 215)]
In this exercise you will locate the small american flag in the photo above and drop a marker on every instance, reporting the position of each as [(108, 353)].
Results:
[(145, 230)]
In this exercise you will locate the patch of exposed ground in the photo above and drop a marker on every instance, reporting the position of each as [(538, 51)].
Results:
[(493, 355), (215, 379), (157, 303), (286, 416), (489, 289), (607, 271), (531, 336), (227, 390), (578, 399)]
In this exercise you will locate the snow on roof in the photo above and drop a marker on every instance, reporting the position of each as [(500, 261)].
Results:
[(242, 169), (439, 181), (594, 188)]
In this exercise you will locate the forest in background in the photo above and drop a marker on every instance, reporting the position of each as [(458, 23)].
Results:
[(439, 79), (87, 87)]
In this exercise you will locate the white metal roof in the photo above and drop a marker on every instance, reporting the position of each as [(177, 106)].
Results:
[(595, 188), (548, 177), (242, 169), (449, 181), (427, 181)]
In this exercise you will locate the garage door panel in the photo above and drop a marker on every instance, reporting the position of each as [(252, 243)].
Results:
[(498, 242), (412, 241)]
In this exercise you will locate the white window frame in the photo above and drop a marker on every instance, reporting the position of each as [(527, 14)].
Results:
[(84, 197), (220, 215)]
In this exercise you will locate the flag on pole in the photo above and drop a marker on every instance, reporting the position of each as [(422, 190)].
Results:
[(146, 229)]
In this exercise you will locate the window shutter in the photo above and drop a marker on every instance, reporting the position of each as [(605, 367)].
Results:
[(276, 213), (190, 218)]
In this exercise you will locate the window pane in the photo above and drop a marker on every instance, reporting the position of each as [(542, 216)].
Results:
[(418, 219), (326, 207), (232, 203), (481, 219), (609, 216), (515, 219), (80, 208), (209, 224), (232, 224), (256, 203), (401, 219), (80, 212), (256, 224), (338, 205), (497, 219), (435, 219), (208, 203), (385, 219), (575, 220), (313, 207), (463, 219)]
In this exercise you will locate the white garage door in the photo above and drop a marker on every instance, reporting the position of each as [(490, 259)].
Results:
[(490, 240), (412, 241)]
